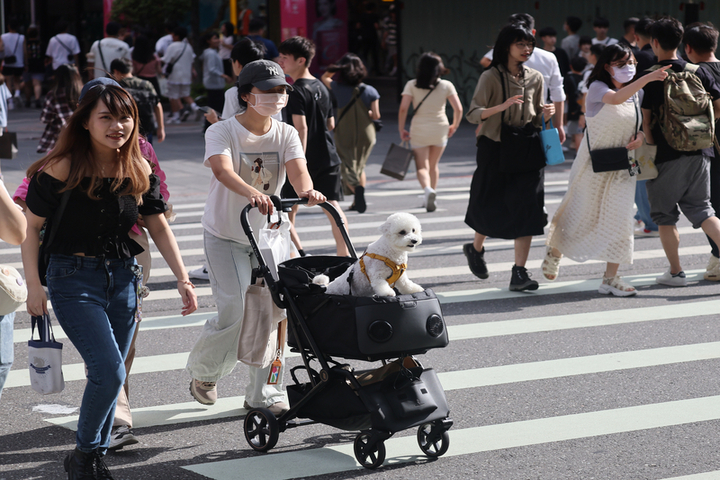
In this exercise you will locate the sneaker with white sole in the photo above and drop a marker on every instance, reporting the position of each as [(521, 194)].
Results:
[(203, 392), (121, 436), (199, 273), (430, 198), (615, 286), (672, 280), (712, 271), (277, 408)]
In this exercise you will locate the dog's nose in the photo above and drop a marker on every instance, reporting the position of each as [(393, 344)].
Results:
[(413, 241)]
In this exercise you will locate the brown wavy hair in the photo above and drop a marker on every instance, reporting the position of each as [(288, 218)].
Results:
[(74, 143)]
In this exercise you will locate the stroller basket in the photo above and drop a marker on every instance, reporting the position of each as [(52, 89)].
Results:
[(361, 328)]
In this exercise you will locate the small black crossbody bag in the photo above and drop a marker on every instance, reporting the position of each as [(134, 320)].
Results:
[(610, 159)]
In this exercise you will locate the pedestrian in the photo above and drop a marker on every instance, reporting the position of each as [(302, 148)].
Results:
[(36, 67), (575, 101), (601, 26), (506, 205), (146, 64), (104, 51), (150, 111), (429, 127), (358, 106), (257, 34), (60, 103), (548, 35), (227, 42), (262, 91), (700, 42), (214, 77), (629, 37), (63, 48), (178, 60), (12, 230), (14, 61), (645, 56), (594, 220), (571, 43), (584, 44), (165, 41), (683, 175), (92, 277), (310, 111)]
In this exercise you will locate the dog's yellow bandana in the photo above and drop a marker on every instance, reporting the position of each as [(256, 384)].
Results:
[(397, 270)]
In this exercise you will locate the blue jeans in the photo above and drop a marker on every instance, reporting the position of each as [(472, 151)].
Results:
[(6, 347), (643, 206), (94, 301)]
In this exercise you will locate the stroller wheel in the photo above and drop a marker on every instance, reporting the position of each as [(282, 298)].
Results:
[(261, 429), (433, 440), (369, 455)]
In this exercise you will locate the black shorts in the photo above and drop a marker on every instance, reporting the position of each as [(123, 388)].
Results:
[(326, 182), (13, 71)]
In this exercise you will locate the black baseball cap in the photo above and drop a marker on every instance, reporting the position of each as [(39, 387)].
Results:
[(263, 74)]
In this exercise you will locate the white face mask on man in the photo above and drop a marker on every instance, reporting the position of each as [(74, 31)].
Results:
[(624, 74), (269, 104)]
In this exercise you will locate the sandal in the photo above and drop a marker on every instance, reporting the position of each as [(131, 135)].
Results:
[(550, 266), (615, 286)]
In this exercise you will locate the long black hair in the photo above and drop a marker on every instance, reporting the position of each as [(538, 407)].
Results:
[(511, 33), (429, 70), (144, 50), (611, 53), (350, 68)]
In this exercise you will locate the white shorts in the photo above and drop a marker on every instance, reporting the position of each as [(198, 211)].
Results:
[(178, 90)]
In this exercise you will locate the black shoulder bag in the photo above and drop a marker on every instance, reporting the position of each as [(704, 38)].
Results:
[(520, 147), (46, 239), (169, 66), (610, 159), (12, 58)]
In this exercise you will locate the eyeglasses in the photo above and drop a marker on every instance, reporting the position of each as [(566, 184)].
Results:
[(621, 64), (524, 45)]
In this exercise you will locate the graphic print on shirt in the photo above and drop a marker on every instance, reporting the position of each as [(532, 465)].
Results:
[(260, 170)]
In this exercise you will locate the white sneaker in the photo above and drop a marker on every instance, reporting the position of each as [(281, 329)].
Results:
[(677, 280), (199, 273), (120, 437), (713, 269), (430, 197)]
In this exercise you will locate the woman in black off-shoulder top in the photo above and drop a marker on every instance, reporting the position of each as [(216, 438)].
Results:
[(92, 277)]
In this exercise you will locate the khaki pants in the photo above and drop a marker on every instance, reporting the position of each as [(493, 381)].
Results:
[(123, 416)]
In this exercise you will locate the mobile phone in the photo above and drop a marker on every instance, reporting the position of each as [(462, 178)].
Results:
[(204, 109)]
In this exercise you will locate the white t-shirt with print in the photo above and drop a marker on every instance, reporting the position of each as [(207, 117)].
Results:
[(258, 160)]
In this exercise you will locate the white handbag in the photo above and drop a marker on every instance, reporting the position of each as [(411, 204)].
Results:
[(13, 291), (45, 358)]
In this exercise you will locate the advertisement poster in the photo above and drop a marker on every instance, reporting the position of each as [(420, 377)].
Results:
[(328, 24), (293, 18)]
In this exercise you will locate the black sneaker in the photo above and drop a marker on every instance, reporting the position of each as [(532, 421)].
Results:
[(520, 280), (476, 261), (359, 202)]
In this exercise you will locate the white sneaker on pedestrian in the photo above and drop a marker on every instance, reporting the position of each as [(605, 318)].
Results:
[(121, 436), (712, 272), (676, 280), (430, 196), (199, 273), (646, 232)]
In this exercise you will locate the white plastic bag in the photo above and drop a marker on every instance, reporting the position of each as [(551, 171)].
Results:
[(274, 244), (45, 358)]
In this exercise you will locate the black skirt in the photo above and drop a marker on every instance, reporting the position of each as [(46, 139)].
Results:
[(504, 205)]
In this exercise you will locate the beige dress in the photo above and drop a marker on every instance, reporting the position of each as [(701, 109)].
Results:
[(595, 218), (429, 125)]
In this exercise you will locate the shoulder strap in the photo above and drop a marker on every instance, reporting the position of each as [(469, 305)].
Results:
[(359, 92), (181, 54), (102, 57), (691, 67), (423, 100), (17, 41), (56, 217), (57, 37)]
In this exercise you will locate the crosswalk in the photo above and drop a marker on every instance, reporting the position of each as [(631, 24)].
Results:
[(563, 332)]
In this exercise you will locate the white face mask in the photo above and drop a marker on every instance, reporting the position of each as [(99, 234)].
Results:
[(269, 104), (624, 74)]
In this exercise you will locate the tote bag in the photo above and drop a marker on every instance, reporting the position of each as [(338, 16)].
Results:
[(259, 330), (275, 244), (550, 139), (397, 161), (45, 358), (645, 157)]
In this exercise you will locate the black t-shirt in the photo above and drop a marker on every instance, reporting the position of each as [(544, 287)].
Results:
[(571, 84), (654, 98), (311, 99), (645, 58), (563, 60), (713, 69)]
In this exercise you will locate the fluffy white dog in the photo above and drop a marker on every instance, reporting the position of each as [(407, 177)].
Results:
[(383, 264)]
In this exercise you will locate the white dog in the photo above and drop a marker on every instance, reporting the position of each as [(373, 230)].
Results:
[(383, 264)]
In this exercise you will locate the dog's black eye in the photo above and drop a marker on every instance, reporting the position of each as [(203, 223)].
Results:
[(402, 232), (413, 230)]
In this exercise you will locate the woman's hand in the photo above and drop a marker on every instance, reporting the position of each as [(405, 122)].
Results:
[(212, 116), (404, 135), (516, 100), (187, 292), (656, 75), (548, 110), (452, 130), (314, 197), (36, 301), (636, 142), (262, 202)]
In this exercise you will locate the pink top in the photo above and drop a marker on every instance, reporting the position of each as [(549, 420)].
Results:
[(147, 151)]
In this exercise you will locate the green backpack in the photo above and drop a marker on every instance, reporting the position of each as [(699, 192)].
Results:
[(686, 116)]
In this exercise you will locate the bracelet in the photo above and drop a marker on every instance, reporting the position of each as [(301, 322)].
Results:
[(187, 282)]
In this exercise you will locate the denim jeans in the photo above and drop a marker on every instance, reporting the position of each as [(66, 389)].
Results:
[(94, 301), (214, 355), (6, 347), (643, 206)]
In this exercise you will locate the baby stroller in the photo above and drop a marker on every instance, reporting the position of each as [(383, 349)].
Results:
[(379, 402)]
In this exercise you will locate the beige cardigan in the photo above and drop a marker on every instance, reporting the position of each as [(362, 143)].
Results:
[(489, 93)]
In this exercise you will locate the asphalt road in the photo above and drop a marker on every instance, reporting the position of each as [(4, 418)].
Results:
[(559, 383)]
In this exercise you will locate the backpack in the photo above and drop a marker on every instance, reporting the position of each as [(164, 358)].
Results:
[(686, 115)]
